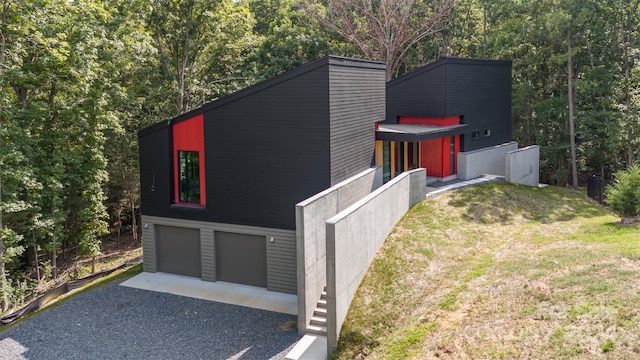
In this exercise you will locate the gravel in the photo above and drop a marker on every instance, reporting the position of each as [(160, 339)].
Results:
[(117, 322)]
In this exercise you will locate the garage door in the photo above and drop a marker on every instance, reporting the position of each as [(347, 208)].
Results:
[(241, 259), (178, 250)]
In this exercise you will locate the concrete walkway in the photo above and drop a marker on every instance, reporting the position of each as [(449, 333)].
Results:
[(310, 347), (228, 293), (445, 187)]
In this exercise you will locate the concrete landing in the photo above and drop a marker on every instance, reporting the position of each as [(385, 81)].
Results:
[(224, 292), (310, 347), (442, 188)]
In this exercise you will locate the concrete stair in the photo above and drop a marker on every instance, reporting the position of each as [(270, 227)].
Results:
[(318, 324)]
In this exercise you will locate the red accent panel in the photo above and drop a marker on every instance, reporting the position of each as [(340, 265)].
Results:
[(188, 135), (436, 153), (432, 157), (423, 120), (446, 156)]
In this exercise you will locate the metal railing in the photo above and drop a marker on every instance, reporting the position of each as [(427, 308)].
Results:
[(596, 187)]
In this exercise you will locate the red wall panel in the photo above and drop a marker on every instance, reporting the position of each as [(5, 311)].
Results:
[(423, 120), (188, 135), (432, 157), (436, 154)]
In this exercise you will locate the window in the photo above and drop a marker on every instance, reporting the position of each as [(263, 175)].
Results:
[(487, 132), (189, 177), (475, 134), (189, 162)]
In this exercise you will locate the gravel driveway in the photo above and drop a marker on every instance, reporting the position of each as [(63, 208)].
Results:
[(117, 322)]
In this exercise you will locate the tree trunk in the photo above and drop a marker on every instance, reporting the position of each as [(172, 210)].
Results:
[(572, 133), (119, 214), (134, 221), (35, 257), (3, 278), (627, 82), (484, 29), (54, 255)]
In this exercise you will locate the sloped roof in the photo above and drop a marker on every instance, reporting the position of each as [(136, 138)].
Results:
[(248, 91), (444, 61)]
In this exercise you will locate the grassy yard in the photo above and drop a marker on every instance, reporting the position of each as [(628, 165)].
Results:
[(501, 271)]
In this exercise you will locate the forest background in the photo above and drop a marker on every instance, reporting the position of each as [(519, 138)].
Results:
[(79, 78)]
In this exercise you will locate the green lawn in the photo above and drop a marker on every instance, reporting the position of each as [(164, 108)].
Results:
[(501, 271)]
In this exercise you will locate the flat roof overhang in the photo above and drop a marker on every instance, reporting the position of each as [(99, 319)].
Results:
[(416, 133)]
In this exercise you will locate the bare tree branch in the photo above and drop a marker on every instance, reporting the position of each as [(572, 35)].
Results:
[(383, 30)]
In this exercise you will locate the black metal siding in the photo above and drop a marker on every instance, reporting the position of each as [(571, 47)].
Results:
[(420, 95), (268, 151), (270, 146), (155, 172), (357, 101), (482, 93), (479, 90)]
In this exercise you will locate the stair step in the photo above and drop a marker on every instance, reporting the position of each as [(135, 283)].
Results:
[(319, 320), (320, 312), (316, 329), (322, 303), (323, 295)]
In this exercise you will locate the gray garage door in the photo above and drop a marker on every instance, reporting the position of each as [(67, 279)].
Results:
[(178, 250), (241, 259)]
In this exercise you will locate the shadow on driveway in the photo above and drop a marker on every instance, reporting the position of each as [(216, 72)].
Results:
[(117, 322)]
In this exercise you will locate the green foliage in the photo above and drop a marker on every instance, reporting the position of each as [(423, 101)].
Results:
[(288, 38), (12, 247), (623, 196), (607, 346)]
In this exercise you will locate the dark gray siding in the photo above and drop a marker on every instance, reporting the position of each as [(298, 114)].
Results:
[(281, 263), (357, 101), (423, 94), (207, 255), (479, 90), (155, 172), (482, 93), (268, 151), (273, 145)]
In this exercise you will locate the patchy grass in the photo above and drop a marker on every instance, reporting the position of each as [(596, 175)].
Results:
[(501, 271), (117, 276)]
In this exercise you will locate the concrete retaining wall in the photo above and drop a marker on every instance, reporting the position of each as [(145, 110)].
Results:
[(523, 166), (490, 160), (311, 217), (355, 235)]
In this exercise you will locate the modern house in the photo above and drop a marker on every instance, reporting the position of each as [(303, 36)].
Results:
[(436, 112), (260, 187), (219, 184)]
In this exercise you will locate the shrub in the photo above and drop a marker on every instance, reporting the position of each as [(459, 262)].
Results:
[(623, 195)]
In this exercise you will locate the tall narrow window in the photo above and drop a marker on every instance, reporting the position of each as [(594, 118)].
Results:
[(189, 181), (386, 161)]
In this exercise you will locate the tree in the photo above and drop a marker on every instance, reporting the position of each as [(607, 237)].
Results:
[(288, 38), (623, 196), (196, 40), (383, 30)]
